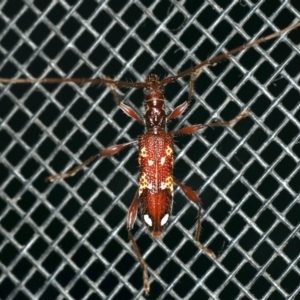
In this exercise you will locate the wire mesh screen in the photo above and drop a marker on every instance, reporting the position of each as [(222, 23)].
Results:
[(68, 239)]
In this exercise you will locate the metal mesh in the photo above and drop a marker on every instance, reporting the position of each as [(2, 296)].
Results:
[(68, 240)]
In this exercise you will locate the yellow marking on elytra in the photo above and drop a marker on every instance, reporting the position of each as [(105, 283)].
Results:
[(167, 184), (143, 152), (169, 151), (143, 183)]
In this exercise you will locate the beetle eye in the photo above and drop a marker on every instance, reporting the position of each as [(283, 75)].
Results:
[(148, 220), (147, 91), (164, 220)]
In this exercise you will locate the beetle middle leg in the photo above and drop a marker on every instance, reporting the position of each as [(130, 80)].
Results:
[(106, 152), (194, 128)]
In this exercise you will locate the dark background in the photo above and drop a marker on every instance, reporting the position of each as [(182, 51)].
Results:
[(68, 240)]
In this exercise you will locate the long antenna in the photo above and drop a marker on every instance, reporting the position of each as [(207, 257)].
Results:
[(193, 70), (197, 68)]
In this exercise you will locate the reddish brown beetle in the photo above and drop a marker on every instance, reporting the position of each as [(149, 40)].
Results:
[(155, 192)]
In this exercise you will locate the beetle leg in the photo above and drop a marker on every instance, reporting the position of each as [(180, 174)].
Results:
[(179, 110), (191, 195), (106, 152), (126, 109), (131, 217), (195, 128)]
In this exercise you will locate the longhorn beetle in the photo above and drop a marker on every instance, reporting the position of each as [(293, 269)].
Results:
[(155, 191)]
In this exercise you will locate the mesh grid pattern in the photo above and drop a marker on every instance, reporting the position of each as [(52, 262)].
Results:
[(68, 240)]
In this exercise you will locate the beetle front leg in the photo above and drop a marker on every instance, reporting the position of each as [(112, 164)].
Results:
[(126, 109)]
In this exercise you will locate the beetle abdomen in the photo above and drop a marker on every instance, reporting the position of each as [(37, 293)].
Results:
[(156, 181)]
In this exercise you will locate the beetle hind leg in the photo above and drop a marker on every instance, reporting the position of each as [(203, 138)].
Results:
[(142, 263), (197, 236), (191, 195), (131, 216)]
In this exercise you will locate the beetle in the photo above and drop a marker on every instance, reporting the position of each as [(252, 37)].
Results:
[(154, 196)]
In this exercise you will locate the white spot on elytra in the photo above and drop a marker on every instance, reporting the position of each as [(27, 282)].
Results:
[(163, 185), (148, 220), (164, 220), (150, 162), (162, 160), (150, 186)]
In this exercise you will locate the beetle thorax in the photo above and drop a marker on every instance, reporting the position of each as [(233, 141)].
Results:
[(155, 110)]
